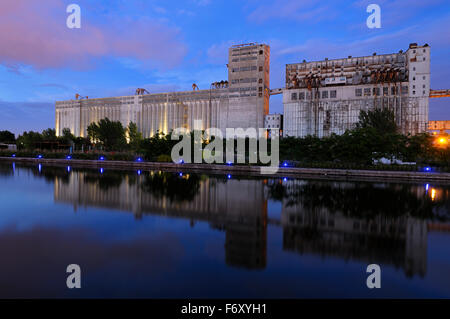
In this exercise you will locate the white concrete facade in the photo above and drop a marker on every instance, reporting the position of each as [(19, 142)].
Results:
[(243, 104)]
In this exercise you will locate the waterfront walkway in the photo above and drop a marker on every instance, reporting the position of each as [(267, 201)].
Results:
[(295, 172)]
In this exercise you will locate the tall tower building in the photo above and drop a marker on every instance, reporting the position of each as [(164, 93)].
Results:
[(249, 84)]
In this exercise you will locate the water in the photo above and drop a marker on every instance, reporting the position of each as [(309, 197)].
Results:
[(180, 235)]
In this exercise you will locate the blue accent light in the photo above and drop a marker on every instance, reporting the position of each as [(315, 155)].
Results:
[(139, 159), (181, 174), (427, 169), (68, 157), (14, 155), (39, 156), (181, 161), (426, 187), (139, 172), (101, 158), (101, 170), (229, 176), (40, 168), (284, 179), (68, 169), (285, 164), (229, 163)]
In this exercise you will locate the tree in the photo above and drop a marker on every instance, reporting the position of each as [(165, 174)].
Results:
[(49, 134), (29, 140), (110, 134), (134, 135), (7, 137), (382, 120)]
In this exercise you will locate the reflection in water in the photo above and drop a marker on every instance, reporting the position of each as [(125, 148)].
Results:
[(249, 236), (237, 207), (374, 223)]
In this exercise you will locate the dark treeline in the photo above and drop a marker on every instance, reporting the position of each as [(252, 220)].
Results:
[(374, 137)]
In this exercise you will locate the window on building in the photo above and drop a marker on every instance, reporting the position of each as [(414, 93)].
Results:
[(414, 68), (358, 92), (393, 90), (423, 93), (424, 77), (260, 94), (414, 78), (324, 94), (260, 81), (333, 94), (423, 86), (414, 86), (294, 96), (367, 92), (376, 92), (260, 69), (414, 92), (301, 96), (404, 90), (261, 52), (385, 91)]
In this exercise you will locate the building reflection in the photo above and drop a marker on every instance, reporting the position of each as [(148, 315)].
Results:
[(235, 206), (372, 223)]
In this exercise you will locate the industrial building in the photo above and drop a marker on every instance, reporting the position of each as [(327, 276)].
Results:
[(326, 97), (274, 122), (240, 102)]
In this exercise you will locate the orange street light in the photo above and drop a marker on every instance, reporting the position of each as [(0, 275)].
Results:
[(442, 141)]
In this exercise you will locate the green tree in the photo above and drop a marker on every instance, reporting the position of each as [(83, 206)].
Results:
[(382, 120), (7, 137), (134, 135), (49, 134), (109, 134), (29, 140)]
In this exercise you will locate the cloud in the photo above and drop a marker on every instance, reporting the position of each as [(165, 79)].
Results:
[(35, 33)]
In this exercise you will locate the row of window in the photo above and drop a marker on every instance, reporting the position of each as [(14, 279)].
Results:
[(324, 95), (244, 59), (247, 68), (246, 80)]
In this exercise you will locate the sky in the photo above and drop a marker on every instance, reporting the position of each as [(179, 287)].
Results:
[(166, 45)]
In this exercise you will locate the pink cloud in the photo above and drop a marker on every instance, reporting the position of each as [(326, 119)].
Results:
[(34, 32)]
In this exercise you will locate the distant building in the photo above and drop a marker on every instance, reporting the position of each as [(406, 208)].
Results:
[(326, 97), (274, 121), (240, 102), (440, 126), (9, 147)]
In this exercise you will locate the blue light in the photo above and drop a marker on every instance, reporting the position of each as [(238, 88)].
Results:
[(181, 161), (68, 169), (139, 172), (427, 169), (284, 179), (101, 170), (40, 167), (68, 157), (229, 176), (426, 187), (138, 159), (229, 163), (181, 174), (101, 158), (39, 156), (285, 164), (14, 155)]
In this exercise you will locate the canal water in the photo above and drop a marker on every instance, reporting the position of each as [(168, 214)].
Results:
[(180, 235)]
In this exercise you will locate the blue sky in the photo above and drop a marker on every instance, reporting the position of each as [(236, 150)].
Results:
[(168, 45)]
